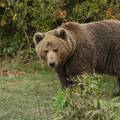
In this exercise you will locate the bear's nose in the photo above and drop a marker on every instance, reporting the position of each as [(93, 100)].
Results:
[(52, 64)]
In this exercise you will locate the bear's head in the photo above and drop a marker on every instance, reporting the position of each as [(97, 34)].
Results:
[(54, 47)]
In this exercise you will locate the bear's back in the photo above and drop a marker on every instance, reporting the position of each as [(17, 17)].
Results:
[(106, 35), (101, 48)]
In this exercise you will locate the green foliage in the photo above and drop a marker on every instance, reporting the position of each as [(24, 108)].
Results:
[(94, 10), (20, 19), (87, 104)]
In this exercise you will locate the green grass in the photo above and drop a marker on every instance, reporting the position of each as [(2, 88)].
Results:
[(30, 96), (94, 102)]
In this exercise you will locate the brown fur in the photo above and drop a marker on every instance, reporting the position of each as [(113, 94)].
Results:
[(90, 47)]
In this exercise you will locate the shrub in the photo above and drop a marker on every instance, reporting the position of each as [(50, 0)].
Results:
[(94, 10), (88, 104), (20, 19)]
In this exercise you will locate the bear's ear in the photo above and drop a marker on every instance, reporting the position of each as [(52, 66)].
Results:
[(38, 37), (61, 32)]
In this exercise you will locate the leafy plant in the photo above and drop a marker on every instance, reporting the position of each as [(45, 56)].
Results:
[(87, 104), (20, 19)]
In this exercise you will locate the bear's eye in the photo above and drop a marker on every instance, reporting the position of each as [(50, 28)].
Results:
[(55, 50), (45, 51)]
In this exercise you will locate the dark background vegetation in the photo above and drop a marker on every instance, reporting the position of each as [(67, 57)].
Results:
[(20, 19)]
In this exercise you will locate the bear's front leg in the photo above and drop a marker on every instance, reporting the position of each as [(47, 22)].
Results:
[(64, 78)]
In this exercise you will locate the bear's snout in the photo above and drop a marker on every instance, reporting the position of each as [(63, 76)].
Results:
[(52, 59)]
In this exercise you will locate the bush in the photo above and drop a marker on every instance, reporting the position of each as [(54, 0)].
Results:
[(20, 19), (88, 104), (94, 10)]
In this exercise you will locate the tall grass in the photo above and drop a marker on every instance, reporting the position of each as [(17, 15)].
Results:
[(95, 102)]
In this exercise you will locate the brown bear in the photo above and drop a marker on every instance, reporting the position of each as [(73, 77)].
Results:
[(74, 48)]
